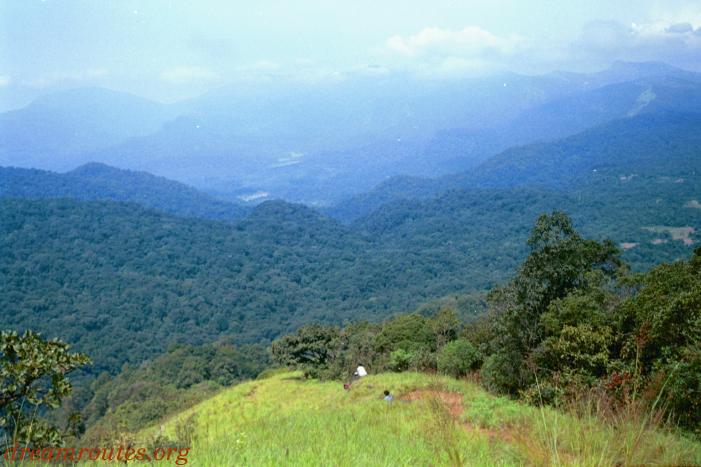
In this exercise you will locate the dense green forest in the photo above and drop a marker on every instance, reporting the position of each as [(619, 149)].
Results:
[(98, 272)]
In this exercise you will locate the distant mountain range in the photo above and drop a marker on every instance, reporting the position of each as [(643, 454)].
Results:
[(321, 143), (653, 142), (56, 130)]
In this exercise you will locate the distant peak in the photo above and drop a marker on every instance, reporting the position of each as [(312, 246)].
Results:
[(89, 97), (96, 168), (643, 67)]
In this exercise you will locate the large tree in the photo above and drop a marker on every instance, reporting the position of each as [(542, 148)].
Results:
[(560, 262)]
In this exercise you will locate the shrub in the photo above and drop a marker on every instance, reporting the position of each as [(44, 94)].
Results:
[(683, 388), (457, 358), (423, 360), (504, 372), (400, 360)]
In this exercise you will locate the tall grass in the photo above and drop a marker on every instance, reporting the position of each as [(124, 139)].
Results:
[(617, 433), (284, 420)]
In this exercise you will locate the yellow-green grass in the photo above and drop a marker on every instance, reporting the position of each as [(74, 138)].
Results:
[(285, 420)]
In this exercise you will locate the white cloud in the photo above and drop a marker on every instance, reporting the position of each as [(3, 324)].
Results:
[(471, 51), (676, 43), (58, 77), (469, 41), (188, 75), (446, 53)]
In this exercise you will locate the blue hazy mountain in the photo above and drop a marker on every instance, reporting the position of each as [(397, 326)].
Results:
[(321, 142), (55, 130), (655, 132)]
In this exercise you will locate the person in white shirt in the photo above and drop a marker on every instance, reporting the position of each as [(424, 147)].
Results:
[(360, 372)]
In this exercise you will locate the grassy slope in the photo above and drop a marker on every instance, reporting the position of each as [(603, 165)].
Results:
[(285, 420)]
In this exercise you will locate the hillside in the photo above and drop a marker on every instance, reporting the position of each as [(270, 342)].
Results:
[(432, 421), (105, 265), (649, 144), (95, 181), (656, 143), (462, 149), (623, 210)]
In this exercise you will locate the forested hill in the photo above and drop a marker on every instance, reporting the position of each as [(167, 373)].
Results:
[(658, 143), (102, 273), (663, 143), (98, 273), (96, 181)]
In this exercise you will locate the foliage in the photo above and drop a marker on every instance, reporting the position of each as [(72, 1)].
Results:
[(561, 262), (400, 360), (661, 336), (407, 332), (178, 378), (95, 181), (401, 343), (33, 372), (458, 357), (446, 325), (311, 347), (572, 319)]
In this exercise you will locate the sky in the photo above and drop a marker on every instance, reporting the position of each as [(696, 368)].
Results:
[(169, 50)]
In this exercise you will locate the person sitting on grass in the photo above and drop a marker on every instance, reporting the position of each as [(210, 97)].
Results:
[(388, 397), (360, 372)]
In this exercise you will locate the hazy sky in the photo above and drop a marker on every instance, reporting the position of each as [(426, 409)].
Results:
[(172, 49)]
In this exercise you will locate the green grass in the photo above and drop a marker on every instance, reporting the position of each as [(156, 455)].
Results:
[(285, 420)]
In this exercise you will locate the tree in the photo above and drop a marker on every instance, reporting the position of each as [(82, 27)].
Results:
[(407, 332), (661, 336), (446, 326), (312, 346), (458, 357), (560, 263), (33, 378)]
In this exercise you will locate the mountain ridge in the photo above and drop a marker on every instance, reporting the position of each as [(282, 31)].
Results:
[(95, 181)]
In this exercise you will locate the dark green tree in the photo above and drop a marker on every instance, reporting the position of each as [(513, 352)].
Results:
[(407, 332), (33, 379), (661, 336), (458, 357), (312, 347), (560, 262)]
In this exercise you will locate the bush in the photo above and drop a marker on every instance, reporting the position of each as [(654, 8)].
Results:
[(457, 358), (400, 360), (683, 391), (504, 372), (423, 360)]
